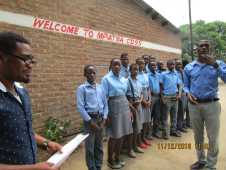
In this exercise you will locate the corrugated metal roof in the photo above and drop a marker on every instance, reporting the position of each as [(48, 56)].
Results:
[(154, 15)]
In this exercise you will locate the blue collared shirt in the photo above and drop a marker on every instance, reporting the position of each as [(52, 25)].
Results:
[(124, 72), (170, 81), (154, 80), (91, 98), (143, 79), (201, 80), (17, 139), (113, 85), (137, 88)]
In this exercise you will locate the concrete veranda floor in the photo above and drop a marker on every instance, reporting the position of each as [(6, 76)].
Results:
[(156, 158)]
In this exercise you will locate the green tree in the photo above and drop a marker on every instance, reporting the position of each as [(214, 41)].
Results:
[(213, 31)]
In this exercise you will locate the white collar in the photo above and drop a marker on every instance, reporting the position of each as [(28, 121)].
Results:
[(3, 88)]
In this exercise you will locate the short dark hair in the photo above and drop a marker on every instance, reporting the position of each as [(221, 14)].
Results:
[(132, 65), (88, 66), (123, 55), (8, 42), (111, 62)]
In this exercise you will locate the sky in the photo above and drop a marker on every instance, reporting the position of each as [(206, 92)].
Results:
[(176, 11)]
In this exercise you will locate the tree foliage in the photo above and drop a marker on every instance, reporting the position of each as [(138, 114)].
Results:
[(213, 31)]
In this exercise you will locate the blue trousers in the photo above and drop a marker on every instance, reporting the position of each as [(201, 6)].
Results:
[(94, 148)]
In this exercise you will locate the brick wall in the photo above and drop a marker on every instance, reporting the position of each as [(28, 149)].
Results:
[(61, 58)]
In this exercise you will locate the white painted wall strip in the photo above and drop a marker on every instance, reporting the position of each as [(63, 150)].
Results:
[(48, 25)]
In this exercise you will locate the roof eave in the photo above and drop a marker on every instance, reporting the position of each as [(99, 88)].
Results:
[(156, 16)]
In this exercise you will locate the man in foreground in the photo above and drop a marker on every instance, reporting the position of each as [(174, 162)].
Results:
[(18, 141), (201, 86)]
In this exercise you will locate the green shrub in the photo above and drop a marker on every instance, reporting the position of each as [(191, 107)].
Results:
[(55, 129)]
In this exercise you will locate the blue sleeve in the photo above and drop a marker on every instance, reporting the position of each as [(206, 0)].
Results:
[(105, 86), (105, 104), (222, 71), (186, 81), (81, 103)]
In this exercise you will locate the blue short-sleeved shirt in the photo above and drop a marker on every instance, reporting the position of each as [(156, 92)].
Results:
[(91, 98), (137, 88), (113, 85), (143, 79), (170, 81), (154, 80), (17, 142), (124, 72), (201, 80)]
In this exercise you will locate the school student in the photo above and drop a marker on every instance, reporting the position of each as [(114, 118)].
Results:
[(154, 84), (169, 89), (135, 97), (92, 105), (142, 77), (119, 123)]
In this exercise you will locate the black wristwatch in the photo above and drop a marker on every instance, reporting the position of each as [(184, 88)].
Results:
[(46, 143)]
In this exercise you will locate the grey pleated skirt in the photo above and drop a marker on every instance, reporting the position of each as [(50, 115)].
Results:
[(146, 113), (137, 124), (119, 115)]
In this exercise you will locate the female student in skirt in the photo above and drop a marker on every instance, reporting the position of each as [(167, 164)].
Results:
[(146, 102), (119, 124), (134, 95)]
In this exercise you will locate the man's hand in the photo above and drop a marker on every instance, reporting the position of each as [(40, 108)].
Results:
[(148, 103), (103, 123), (54, 147), (44, 166), (211, 60), (94, 126), (192, 99), (136, 103), (133, 109), (178, 96)]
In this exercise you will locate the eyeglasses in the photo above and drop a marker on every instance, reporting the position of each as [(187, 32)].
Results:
[(27, 59)]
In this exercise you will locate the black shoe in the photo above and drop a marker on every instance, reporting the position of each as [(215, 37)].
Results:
[(176, 134), (183, 130), (166, 137), (114, 165), (197, 165)]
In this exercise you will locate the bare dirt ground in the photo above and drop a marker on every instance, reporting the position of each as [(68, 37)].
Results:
[(158, 157)]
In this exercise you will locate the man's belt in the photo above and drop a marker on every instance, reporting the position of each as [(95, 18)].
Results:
[(95, 115), (207, 100)]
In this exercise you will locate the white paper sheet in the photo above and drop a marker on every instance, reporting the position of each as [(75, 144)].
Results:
[(59, 158)]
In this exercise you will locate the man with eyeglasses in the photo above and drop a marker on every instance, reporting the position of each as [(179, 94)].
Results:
[(17, 139), (201, 86)]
